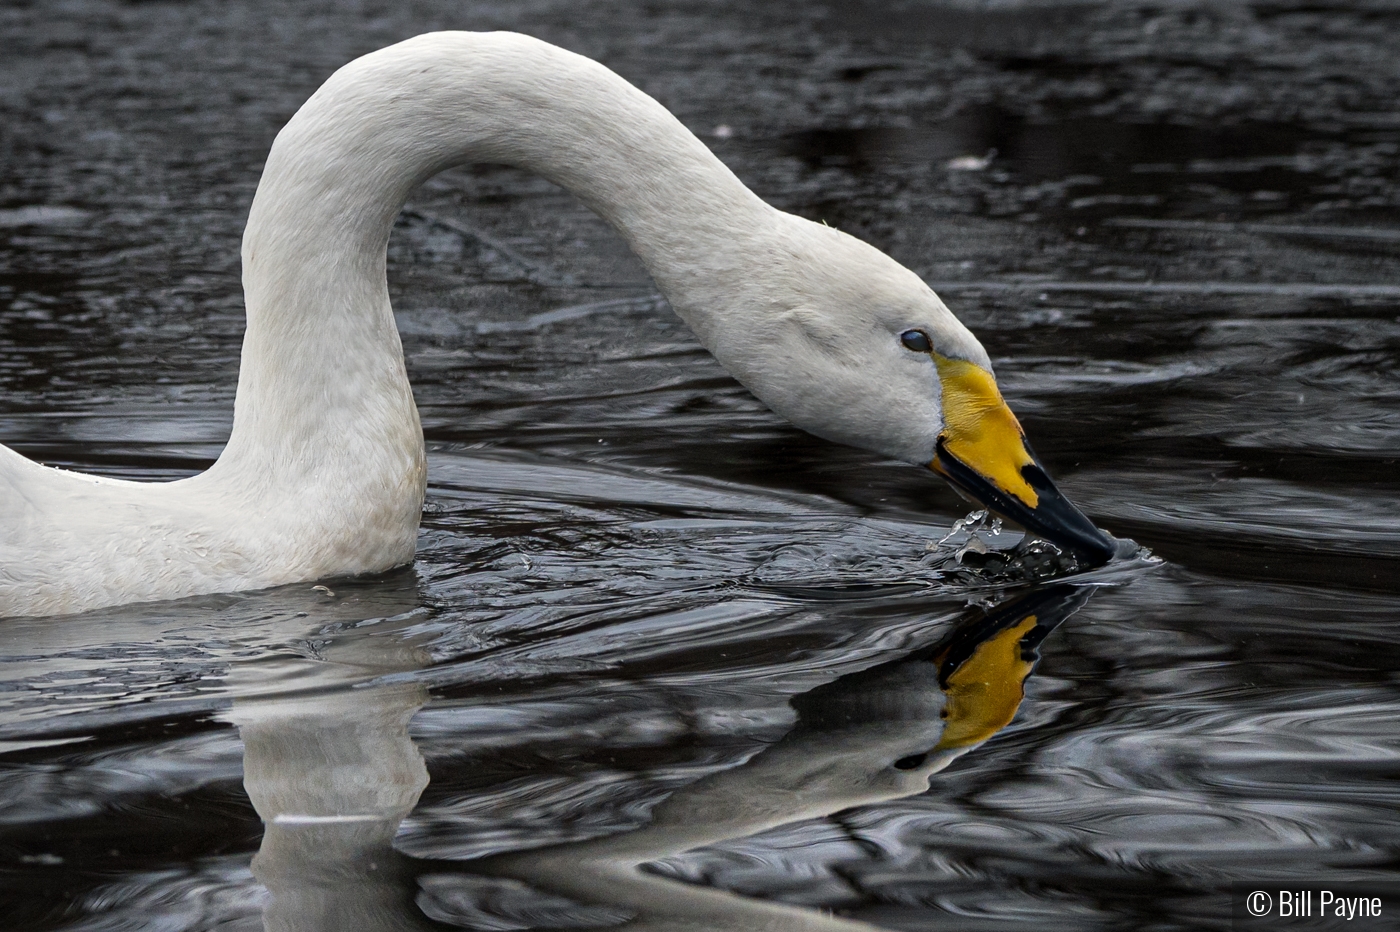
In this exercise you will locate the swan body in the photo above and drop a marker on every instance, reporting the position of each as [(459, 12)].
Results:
[(324, 471)]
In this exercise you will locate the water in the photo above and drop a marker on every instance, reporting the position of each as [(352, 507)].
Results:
[(649, 623)]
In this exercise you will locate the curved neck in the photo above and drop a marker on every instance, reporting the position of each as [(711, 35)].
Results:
[(322, 361)]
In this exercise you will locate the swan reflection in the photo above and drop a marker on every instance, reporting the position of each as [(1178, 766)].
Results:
[(332, 776), (331, 769)]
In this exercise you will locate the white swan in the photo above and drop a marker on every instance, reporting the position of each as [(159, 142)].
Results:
[(324, 471)]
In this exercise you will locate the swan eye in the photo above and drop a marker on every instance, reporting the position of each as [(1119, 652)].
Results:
[(917, 341)]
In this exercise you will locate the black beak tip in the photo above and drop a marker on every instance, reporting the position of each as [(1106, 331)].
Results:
[(1057, 520), (1053, 518)]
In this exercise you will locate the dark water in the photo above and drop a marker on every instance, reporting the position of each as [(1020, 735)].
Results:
[(649, 623)]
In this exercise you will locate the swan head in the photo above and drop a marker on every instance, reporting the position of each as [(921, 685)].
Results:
[(851, 346)]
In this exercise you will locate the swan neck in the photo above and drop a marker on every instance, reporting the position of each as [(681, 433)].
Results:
[(320, 328)]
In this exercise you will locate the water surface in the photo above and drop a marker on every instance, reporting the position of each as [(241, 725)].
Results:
[(663, 661)]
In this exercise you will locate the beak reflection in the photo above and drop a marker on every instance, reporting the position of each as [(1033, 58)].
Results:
[(984, 666), (984, 454), (975, 677)]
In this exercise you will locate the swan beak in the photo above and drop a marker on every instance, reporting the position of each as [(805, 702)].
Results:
[(983, 453)]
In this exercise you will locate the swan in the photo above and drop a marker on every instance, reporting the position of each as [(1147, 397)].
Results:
[(324, 471)]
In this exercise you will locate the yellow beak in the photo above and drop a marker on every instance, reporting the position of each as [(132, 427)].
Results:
[(983, 452)]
